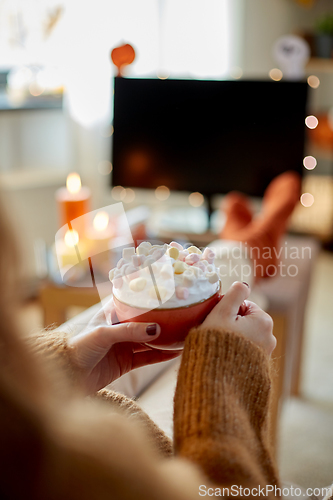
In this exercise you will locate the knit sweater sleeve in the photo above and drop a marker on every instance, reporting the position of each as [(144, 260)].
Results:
[(53, 347), (221, 409)]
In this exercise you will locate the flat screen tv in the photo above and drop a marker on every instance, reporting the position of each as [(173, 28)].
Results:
[(207, 136)]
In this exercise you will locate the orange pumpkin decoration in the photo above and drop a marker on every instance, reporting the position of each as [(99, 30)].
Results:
[(122, 56)]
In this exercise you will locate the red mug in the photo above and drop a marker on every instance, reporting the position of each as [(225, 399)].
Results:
[(175, 322)]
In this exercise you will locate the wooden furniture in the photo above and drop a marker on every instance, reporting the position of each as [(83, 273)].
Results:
[(278, 374), (56, 300)]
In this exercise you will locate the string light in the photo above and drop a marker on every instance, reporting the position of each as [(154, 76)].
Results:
[(162, 193), (310, 162), (196, 199), (307, 200), (311, 121), (313, 81), (276, 74)]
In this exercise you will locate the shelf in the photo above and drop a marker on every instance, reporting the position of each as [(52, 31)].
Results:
[(319, 64), (31, 103), (15, 180)]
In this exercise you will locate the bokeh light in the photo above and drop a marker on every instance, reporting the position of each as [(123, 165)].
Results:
[(313, 81), (236, 72), (196, 199), (101, 221), (307, 200), (276, 74), (35, 89), (108, 131), (73, 183), (118, 193), (311, 121), (310, 162), (129, 195), (71, 238), (105, 167), (162, 193)]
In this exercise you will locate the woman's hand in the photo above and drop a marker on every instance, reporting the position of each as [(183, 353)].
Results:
[(104, 351), (236, 314)]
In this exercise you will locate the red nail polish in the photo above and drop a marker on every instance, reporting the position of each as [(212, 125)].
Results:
[(244, 283)]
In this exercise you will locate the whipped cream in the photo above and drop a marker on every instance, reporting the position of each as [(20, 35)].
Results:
[(164, 276)]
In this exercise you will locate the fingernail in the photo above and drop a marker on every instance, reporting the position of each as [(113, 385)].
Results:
[(244, 283), (151, 329)]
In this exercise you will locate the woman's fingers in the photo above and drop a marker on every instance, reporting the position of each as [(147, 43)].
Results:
[(153, 356), (233, 299), (106, 336), (229, 306)]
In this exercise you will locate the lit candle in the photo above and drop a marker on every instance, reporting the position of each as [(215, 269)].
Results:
[(100, 233), (73, 201), (66, 249)]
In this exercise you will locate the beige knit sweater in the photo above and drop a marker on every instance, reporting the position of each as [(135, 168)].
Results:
[(56, 444)]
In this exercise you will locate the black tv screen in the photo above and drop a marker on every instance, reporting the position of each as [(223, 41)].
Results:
[(207, 136)]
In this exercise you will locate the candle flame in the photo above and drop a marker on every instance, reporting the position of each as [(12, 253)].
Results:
[(71, 238), (73, 183), (101, 221)]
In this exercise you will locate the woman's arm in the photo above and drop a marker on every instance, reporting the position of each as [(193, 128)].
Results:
[(222, 395), (103, 351), (59, 355), (221, 409)]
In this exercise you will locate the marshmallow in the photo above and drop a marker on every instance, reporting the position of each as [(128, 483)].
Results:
[(121, 263), (166, 271), (131, 272), (204, 262), (212, 277), (201, 266), (182, 255), (210, 268), (157, 292), (158, 255), (137, 260), (182, 292), (156, 269), (192, 258), (173, 253), (154, 247), (143, 248), (111, 274), (209, 255), (194, 249), (145, 244), (128, 252), (174, 244), (179, 267), (138, 284), (118, 282), (188, 278), (147, 263), (197, 272)]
